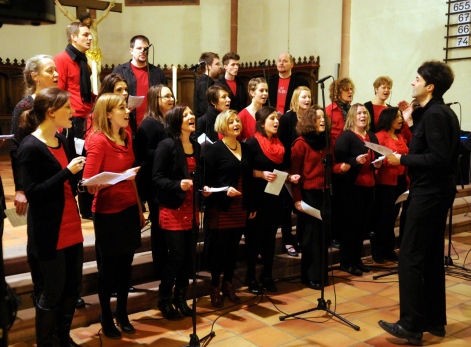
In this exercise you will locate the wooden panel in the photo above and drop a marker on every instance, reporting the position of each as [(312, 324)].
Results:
[(161, 2)]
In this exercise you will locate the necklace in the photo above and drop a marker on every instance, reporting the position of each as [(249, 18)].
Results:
[(232, 149)]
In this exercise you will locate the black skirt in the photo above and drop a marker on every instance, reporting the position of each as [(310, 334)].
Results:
[(117, 233)]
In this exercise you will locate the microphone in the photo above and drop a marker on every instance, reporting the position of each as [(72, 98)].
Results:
[(452, 103), (195, 66), (263, 63), (146, 48), (323, 79)]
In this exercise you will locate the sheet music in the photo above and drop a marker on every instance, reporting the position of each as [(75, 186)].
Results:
[(402, 197), (108, 178), (79, 143), (15, 220), (308, 209), (276, 186), (216, 190), (378, 148), (135, 101), (6, 137)]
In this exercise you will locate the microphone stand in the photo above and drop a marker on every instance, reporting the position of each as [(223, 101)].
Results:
[(194, 339), (322, 304)]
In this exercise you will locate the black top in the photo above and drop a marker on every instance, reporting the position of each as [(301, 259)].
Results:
[(287, 132), (149, 135), (433, 151), (170, 167), (200, 101), (238, 102), (43, 181), (157, 76), (222, 169), (294, 83), (205, 124), (347, 148)]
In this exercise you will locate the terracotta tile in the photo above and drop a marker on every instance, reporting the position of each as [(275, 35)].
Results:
[(268, 337)]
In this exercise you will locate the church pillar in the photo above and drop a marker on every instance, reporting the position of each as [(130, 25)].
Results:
[(234, 24), (345, 42)]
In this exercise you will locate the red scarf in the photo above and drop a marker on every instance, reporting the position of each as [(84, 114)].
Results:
[(272, 148)]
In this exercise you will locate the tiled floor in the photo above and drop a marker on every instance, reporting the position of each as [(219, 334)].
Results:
[(361, 300)]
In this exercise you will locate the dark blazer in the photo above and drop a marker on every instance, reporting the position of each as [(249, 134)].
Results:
[(43, 182), (205, 124), (294, 83), (149, 135), (170, 167), (222, 169), (157, 76), (347, 148), (238, 102), (200, 102)]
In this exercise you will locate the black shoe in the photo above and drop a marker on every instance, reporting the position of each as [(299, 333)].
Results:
[(352, 270), (168, 311), (314, 285), (397, 331), (80, 303), (438, 330), (290, 250), (254, 287), (363, 268), (109, 329), (123, 322), (269, 285)]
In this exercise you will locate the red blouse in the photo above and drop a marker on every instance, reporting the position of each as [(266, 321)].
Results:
[(70, 232)]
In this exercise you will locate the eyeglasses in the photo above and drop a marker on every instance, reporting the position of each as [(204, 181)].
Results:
[(168, 97)]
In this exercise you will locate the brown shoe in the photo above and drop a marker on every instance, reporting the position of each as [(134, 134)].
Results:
[(229, 292), (216, 298)]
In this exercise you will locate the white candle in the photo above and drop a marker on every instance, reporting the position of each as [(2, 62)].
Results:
[(174, 81)]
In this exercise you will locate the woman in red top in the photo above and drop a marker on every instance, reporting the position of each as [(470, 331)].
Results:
[(355, 188), (54, 227), (307, 153), (116, 211), (390, 183), (258, 91), (176, 166)]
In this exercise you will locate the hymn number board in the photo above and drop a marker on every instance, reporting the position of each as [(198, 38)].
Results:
[(458, 43)]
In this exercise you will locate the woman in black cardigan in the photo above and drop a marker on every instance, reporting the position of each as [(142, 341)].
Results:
[(355, 187), (227, 165), (267, 154), (175, 175), (54, 226)]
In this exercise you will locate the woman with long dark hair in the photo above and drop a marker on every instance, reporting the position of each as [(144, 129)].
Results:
[(117, 216), (267, 153), (54, 228), (175, 175), (160, 100), (39, 73)]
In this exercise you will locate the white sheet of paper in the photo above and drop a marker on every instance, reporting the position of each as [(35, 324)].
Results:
[(108, 178), (135, 101), (378, 148), (6, 137), (308, 209), (15, 220), (79, 143), (379, 159), (402, 197), (276, 186), (221, 189)]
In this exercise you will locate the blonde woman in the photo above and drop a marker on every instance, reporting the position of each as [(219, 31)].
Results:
[(258, 91)]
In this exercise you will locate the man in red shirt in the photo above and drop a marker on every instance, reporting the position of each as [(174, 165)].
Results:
[(139, 76), (74, 73), (238, 91), (282, 86)]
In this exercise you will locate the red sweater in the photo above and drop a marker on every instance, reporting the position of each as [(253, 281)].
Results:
[(106, 155), (388, 174), (336, 117), (307, 162), (69, 80)]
